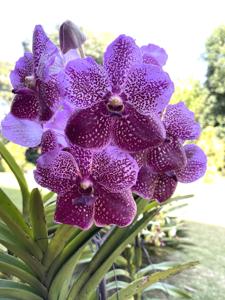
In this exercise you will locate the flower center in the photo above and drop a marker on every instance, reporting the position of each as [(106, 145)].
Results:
[(30, 82), (86, 187), (115, 104)]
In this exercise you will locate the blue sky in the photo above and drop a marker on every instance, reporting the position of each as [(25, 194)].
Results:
[(179, 26)]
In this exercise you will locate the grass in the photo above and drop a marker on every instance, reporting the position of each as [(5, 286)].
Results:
[(208, 279)]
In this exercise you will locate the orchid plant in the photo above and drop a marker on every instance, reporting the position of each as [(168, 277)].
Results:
[(112, 151)]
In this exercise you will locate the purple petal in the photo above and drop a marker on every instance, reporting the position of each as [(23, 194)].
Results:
[(114, 208), (49, 92), (145, 184), (196, 164), (56, 170), (119, 57), (67, 212), (153, 54), (23, 68), (136, 132), (58, 122), (21, 131), (167, 157), (84, 83), (94, 132), (44, 51), (148, 88), (84, 159), (165, 187), (179, 122), (140, 157), (25, 106), (114, 169), (49, 141)]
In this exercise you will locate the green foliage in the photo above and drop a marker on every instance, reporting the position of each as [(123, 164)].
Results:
[(43, 260), (5, 86), (214, 113)]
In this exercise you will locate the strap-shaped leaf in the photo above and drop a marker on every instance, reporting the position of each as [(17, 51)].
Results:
[(14, 220), (170, 290), (25, 276), (140, 284), (48, 196), (73, 246), (37, 216), (8, 240), (19, 176), (63, 234), (104, 258), (17, 291)]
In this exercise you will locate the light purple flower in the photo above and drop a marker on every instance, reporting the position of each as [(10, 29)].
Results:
[(120, 101), (161, 186), (37, 93), (91, 187), (153, 54)]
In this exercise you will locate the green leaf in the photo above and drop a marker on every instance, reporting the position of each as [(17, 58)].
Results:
[(8, 240), (17, 291), (116, 285), (62, 236), (48, 196), (170, 290), (14, 220), (104, 258), (19, 176), (117, 272), (137, 286), (15, 270), (154, 267), (73, 246), (38, 221)]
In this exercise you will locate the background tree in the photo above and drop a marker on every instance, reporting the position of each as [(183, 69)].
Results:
[(214, 112)]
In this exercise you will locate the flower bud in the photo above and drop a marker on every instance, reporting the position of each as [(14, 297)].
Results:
[(70, 36)]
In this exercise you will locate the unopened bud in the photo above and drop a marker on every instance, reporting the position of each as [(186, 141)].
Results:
[(70, 36)]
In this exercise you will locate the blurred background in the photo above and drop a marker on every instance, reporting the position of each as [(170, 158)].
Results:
[(193, 35)]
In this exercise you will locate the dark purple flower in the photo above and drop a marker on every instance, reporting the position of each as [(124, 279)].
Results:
[(180, 126), (91, 187), (161, 186), (120, 102)]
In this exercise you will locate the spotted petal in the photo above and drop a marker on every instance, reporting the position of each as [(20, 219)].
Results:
[(23, 132), (114, 208), (145, 184), (90, 128), (72, 213), (84, 83), (120, 55), (114, 169), (179, 122), (25, 106), (148, 88), (165, 187), (44, 52), (167, 157), (196, 164), (56, 170), (49, 141), (23, 68), (49, 92), (136, 132), (84, 159), (153, 54)]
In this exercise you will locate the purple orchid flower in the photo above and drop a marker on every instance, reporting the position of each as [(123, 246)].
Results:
[(161, 186), (153, 54), (37, 93), (91, 187), (165, 165), (120, 102)]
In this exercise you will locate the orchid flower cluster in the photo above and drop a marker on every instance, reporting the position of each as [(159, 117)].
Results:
[(105, 131)]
